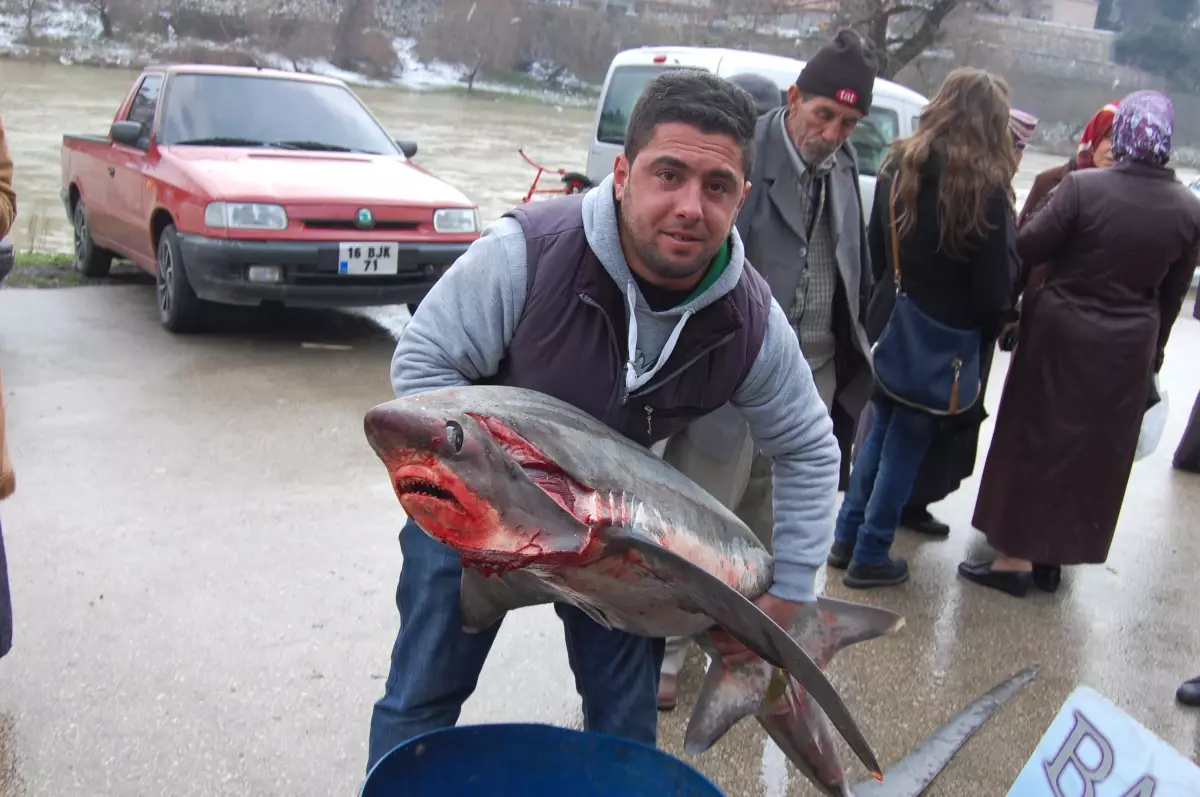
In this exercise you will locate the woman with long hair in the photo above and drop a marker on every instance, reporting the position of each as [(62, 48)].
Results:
[(949, 189), (1122, 244)]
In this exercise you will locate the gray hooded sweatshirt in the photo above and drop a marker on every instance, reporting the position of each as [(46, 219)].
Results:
[(468, 318)]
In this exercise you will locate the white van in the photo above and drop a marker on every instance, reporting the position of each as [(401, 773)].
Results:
[(895, 109)]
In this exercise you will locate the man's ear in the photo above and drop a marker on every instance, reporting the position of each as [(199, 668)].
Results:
[(742, 201), (621, 169), (794, 97)]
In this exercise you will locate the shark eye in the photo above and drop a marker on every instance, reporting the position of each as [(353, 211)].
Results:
[(454, 436)]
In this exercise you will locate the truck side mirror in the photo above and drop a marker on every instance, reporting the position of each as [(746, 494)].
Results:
[(127, 133), (409, 148)]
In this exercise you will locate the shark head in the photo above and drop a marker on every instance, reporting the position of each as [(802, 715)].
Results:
[(473, 483)]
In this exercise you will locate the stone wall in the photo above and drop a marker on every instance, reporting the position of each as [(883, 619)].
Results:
[(1060, 74)]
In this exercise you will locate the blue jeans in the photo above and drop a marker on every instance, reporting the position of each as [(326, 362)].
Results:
[(436, 665), (882, 479)]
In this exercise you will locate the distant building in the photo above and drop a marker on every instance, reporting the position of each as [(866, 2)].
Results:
[(1076, 13)]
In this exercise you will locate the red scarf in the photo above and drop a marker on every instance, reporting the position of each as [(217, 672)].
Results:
[(1099, 128)]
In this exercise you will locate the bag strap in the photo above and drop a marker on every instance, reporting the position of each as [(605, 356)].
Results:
[(895, 230)]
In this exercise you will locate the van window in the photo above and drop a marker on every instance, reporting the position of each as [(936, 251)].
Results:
[(623, 92), (872, 137)]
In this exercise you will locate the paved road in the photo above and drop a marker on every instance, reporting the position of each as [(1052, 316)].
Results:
[(203, 553)]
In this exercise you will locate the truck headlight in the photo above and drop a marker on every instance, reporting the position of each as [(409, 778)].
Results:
[(246, 216), (456, 220)]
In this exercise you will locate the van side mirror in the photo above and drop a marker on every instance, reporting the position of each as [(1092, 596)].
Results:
[(126, 132), (409, 148)]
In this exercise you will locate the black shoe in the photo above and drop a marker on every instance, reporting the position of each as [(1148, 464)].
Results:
[(1015, 584), (887, 574), (1189, 692), (920, 521), (1047, 577), (840, 555)]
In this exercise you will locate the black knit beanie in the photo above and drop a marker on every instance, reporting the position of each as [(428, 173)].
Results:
[(843, 70)]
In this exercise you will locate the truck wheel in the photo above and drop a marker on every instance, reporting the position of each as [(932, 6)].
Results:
[(90, 260), (179, 309)]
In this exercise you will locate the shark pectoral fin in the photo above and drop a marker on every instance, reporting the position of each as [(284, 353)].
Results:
[(484, 600), (749, 625), (843, 623), (727, 695)]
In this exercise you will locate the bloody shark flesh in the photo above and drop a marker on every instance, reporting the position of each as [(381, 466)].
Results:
[(544, 503)]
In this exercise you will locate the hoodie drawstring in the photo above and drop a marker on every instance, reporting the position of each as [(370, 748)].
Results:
[(632, 380)]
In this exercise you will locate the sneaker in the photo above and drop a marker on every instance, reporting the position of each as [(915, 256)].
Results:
[(840, 554), (885, 574), (1189, 692)]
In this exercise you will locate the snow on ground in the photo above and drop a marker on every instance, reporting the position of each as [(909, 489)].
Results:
[(75, 33)]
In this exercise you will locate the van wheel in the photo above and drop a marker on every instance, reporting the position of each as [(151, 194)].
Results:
[(90, 260), (179, 309)]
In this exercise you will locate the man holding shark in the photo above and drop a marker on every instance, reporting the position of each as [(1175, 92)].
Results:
[(633, 303)]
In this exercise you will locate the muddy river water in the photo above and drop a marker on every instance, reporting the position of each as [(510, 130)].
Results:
[(471, 142)]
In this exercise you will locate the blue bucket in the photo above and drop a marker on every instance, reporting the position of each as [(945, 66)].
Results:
[(530, 760)]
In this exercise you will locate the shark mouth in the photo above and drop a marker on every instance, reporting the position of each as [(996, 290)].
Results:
[(418, 486)]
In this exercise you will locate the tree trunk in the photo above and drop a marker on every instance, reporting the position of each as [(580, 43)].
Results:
[(350, 25), (474, 72), (925, 36)]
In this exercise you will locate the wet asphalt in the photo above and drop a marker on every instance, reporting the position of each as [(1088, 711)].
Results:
[(203, 557)]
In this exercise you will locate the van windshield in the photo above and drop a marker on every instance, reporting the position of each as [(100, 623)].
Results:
[(623, 92), (871, 138)]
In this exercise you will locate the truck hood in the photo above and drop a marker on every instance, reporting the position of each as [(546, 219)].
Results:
[(313, 177)]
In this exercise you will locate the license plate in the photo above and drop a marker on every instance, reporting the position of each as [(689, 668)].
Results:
[(367, 259)]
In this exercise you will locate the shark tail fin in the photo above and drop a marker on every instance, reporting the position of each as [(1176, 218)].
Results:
[(727, 695), (837, 624)]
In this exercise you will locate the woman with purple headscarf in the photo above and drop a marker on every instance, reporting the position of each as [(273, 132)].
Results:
[(1122, 244)]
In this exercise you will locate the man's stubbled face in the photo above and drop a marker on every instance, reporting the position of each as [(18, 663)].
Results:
[(817, 126), (679, 199)]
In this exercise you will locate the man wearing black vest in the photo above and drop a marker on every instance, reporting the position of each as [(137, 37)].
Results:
[(635, 303), (804, 231)]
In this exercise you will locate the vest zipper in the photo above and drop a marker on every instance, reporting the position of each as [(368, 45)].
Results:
[(655, 385), (612, 336), (649, 412)]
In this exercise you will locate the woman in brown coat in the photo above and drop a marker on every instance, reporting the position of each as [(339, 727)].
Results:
[(1123, 243), (8, 482)]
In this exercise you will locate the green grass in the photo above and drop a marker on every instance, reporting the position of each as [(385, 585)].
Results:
[(43, 270), (57, 270)]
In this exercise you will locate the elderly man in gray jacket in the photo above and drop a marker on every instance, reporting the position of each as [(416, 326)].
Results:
[(805, 233)]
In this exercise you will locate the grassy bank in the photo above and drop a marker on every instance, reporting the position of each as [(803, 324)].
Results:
[(57, 270)]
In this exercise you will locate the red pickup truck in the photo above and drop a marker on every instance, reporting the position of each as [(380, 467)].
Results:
[(243, 186)]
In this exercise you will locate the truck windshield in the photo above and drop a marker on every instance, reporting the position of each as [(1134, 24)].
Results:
[(246, 110), (871, 138)]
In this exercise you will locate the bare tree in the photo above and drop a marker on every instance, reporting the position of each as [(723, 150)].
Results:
[(356, 15), (485, 33), (901, 30), (103, 11), (30, 7)]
